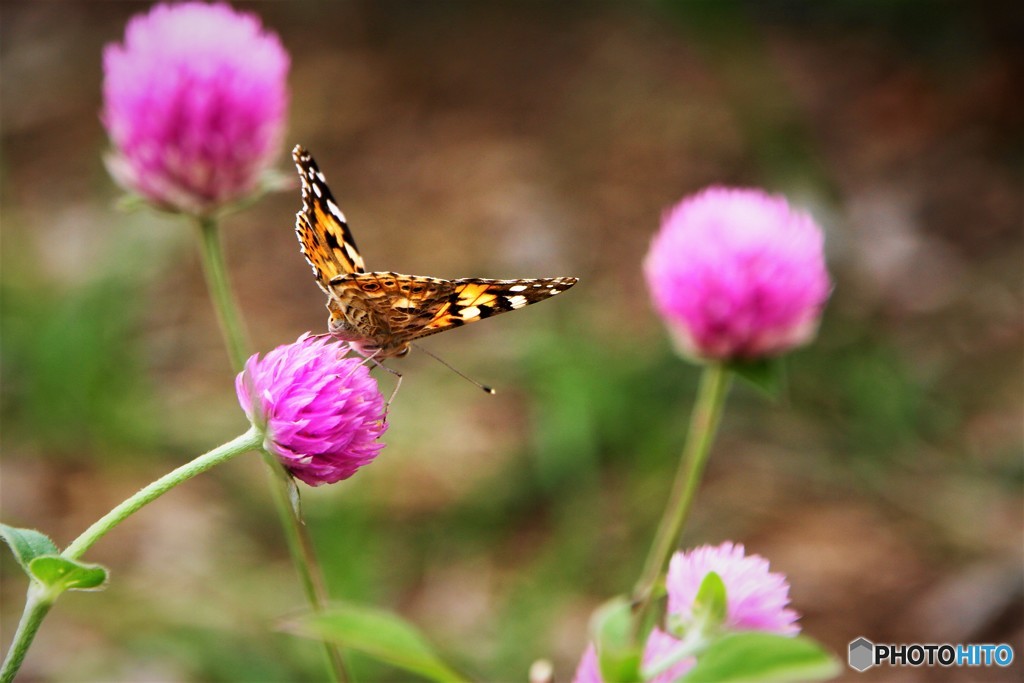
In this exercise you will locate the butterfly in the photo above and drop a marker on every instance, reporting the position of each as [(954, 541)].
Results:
[(381, 313)]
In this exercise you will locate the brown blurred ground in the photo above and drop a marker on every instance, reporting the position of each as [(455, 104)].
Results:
[(533, 140)]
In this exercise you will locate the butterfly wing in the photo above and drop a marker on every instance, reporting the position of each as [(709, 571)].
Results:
[(393, 309), (323, 233), (382, 312), (473, 299)]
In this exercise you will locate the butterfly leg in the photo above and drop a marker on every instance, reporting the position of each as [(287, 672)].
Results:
[(398, 383), (371, 359)]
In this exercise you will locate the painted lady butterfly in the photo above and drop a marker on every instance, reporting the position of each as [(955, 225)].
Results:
[(381, 313)]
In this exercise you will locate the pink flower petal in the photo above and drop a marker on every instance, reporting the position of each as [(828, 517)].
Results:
[(195, 100), (738, 274), (322, 412)]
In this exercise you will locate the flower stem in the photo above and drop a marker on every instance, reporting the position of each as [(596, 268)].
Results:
[(37, 604), (39, 600), (241, 444), (299, 545), (220, 291), (704, 419)]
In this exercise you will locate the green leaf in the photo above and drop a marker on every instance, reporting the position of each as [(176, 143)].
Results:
[(752, 657), (60, 574), (27, 544), (378, 634), (618, 655), (710, 606), (766, 374)]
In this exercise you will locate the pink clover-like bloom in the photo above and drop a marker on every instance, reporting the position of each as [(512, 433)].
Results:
[(756, 599), (321, 413), (194, 101), (737, 274)]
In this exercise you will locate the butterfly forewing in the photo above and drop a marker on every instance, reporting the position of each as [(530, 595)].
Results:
[(323, 232)]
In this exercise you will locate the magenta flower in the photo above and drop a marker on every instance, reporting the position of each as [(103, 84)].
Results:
[(757, 598), (659, 644), (195, 103), (322, 413), (756, 601), (738, 274)]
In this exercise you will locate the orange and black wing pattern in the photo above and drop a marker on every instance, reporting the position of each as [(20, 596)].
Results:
[(323, 232), (474, 299)]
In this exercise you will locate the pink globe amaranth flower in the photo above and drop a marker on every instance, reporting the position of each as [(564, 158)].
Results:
[(659, 645), (756, 600), (194, 101), (756, 597), (737, 274), (321, 413)]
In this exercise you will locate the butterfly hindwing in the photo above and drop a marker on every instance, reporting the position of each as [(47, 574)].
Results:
[(474, 299), (323, 232)]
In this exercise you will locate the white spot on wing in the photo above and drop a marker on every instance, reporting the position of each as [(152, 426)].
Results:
[(517, 301), (317, 191), (336, 211), (517, 288), (470, 312)]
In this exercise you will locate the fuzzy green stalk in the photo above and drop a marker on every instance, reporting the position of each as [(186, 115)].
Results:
[(707, 412), (37, 604), (241, 444), (40, 599), (220, 290), (300, 547)]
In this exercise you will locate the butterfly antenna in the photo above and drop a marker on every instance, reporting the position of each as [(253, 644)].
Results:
[(486, 389)]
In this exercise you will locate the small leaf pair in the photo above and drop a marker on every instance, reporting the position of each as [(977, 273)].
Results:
[(40, 558)]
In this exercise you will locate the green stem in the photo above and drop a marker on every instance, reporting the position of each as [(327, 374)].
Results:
[(246, 442), (299, 545), (40, 600), (704, 419), (220, 291), (37, 604)]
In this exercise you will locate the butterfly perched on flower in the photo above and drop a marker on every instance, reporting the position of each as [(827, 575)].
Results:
[(381, 313)]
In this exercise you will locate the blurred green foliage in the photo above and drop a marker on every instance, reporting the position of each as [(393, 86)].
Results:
[(73, 376)]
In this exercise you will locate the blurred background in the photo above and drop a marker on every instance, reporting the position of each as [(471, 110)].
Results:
[(521, 140)]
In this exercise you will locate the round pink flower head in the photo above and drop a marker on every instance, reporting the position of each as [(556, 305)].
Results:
[(756, 600), (737, 274), (194, 102), (321, 413), (756, 597)]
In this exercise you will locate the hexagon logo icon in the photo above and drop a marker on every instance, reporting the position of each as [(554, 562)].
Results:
[(862, 654)]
